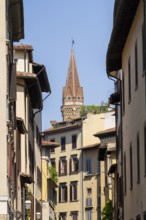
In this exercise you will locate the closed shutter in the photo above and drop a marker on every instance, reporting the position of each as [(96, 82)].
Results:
[(70, 192), (65, 167), (59, 193), (59, 167), (70, 165), (75, 191), (76, 165), (12, 82), (66, 193)]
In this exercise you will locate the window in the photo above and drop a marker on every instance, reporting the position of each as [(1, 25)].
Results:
[(88, 202), (63, 142), (125, 179), (89, 214), (74, 215), (131, 167), (138, 160), (88, 166), (62, 192), (136, 66), (73, 164), (62, 216), (63, 166), (73, 191), (129, 81), (52, 150), (53, 162), (74, 141), (89, 191)]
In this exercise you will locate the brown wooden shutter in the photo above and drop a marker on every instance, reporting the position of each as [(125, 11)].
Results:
[(12, 82), (70, 167), (59, 168), (75, 191), (77, 165), (65, 167), (70, 192), (66, 193), (59, 193)]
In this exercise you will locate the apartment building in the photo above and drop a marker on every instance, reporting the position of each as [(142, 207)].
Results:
[(12, 30), (29, 104), (49, 181), (126, 63)]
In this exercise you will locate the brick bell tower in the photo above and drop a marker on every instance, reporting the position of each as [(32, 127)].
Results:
[(72, 98)]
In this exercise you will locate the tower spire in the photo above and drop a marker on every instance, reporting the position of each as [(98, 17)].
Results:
[(72, 99)]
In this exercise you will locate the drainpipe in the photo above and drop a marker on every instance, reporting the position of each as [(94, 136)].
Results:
[(121, 143), (144, 55), (82, 205), (41, 107)]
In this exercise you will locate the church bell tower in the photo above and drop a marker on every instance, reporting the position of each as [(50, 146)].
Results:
[(72, 99)]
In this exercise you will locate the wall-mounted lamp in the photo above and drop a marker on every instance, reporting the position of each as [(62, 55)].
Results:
[(27, 204), (38, 215)]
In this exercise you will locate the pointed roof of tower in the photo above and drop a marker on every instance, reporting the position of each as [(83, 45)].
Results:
[(72, 87)]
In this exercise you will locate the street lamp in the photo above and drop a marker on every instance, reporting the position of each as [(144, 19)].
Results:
[(38, 215)]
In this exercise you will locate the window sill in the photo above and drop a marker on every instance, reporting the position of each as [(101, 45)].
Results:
[(63, 202), (63, 174), (73, 173), (74, 200), (62, 151), (88, 175)]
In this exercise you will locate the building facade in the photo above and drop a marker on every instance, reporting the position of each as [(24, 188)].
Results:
[(126, 62), (29, 104), (12, 30)]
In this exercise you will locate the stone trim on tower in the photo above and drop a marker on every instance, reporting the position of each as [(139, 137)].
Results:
[(72, 97)]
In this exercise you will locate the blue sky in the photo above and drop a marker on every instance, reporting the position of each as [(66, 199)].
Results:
[(50, 26)]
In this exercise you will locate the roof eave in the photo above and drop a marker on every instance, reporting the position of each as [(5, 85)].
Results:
[(17, 19), (120, 31), (41, 73), (34, 90)]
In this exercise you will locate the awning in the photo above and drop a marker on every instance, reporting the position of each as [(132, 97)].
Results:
[(41, 73), (21, 126), (33, 87), (26, 178), (17, 19), (112, 168)]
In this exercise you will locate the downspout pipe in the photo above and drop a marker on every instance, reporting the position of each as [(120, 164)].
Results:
[(122, 179), (42, 106), (144, 54)]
